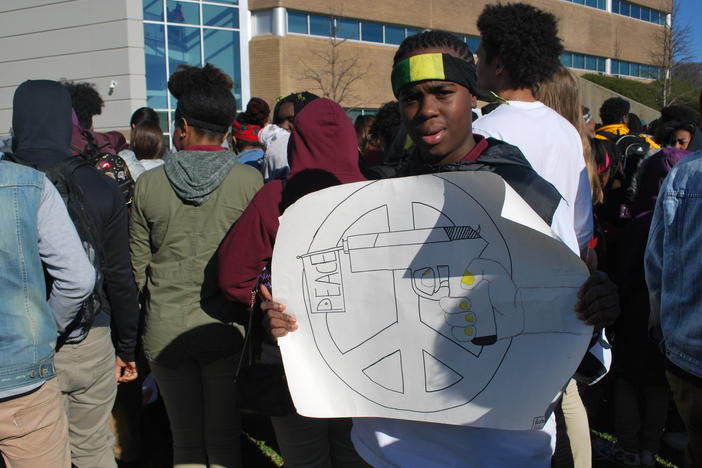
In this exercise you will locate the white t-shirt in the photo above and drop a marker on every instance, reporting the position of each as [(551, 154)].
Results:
[(554, 148), (393, 443)]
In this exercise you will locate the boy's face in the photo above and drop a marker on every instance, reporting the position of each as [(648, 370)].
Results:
[(286, 116), (437, 116)]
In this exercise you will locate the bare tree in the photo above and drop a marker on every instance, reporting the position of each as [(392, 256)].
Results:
[(335, 71), (675, 50)]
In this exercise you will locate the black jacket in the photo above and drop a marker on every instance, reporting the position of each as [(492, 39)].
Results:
[(41, 122), (508, 162)]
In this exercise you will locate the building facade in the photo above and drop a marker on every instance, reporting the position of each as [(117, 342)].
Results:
[(341, 48)]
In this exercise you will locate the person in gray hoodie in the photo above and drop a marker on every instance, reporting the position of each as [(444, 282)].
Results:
[(182, 210)]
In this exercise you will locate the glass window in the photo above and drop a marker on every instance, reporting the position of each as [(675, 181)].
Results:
[(372, 32), (579, 61), (183, 46), (646, 14), (225, 17), (412, 31), (163, 121), (655, 17), (567, 59), (634, 69), (591, 3), (153, 10), (474, 43), (182, 12), (347, 29), (614, 67), (635, 11), (624, 68), (155, 62), (601, 65), (222, 50), (615, 6), (230, 2), (590, 63), (297, 22), (262, 23), (579, 2), (321, 25), (602, 4), (624, 9), (394, 34)]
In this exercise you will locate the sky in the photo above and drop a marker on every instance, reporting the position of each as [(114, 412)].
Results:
[(691, 14)]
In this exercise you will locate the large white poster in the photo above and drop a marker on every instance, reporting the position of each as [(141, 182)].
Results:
[(440, 298)]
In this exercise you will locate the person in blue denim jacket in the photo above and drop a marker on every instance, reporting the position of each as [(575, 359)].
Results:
[(673, 271), (37, 238)]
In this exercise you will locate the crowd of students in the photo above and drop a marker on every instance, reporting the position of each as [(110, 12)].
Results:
[(158, 262)]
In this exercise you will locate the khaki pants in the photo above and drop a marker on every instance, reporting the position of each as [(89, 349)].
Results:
[(688, 399), (577, 426), (86, 373), (34, 431)]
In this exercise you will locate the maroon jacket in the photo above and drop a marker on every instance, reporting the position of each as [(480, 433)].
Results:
[(322, 153)]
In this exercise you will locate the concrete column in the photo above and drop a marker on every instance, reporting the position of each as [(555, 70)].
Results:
[(280, 21)]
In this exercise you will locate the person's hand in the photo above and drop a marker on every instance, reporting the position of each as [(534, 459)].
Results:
[(125, 371), (276, 321), (589, 256), (474, 317), (599, 301)]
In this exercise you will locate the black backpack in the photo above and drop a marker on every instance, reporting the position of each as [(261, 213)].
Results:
[(107, 162), (630, 149), (62, 176)]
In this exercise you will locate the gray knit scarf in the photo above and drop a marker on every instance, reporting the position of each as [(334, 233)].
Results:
[(194, 175)]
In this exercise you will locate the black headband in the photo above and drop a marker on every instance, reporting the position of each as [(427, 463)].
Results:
[(180, 113)]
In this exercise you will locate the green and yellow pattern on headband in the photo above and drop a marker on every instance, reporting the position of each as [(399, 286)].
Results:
[(442, 67)]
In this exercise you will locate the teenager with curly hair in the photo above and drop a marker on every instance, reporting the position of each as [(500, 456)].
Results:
[(86, 101), (519, 49), (182, 210)]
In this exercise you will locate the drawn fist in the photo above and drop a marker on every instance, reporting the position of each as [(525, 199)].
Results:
[(490, 309)]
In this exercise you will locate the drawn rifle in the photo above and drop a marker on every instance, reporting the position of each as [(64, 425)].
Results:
[(436, 259)]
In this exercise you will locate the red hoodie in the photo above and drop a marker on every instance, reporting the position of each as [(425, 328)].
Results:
[(322, 153)]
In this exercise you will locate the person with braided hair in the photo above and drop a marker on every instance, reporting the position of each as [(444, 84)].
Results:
[(182, 210), (286, 108)]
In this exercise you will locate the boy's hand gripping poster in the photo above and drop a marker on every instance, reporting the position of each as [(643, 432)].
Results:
[(441, 298)]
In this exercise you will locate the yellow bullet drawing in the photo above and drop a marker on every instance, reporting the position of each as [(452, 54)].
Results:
[(468, 278)]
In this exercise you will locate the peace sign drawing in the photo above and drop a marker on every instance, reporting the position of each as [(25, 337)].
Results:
[(406, 298)]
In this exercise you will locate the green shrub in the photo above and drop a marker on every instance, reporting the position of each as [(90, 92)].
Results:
[(647, 93)]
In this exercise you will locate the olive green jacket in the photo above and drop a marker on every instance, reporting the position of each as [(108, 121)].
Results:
[(173, 246)]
